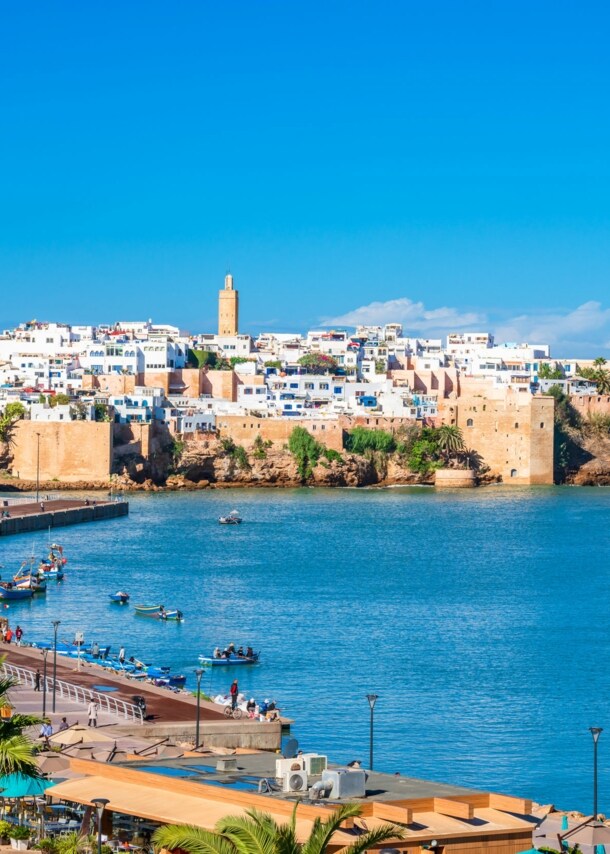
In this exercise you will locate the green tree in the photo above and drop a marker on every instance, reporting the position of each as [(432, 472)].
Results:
[(101, 411), (59, 399), (450, 440), (16, 749), (360, 440), (599, 361), (545, 372), (273, 363), (13, 412), (318, 363), (305, 450), (202, 359), (258, 833)]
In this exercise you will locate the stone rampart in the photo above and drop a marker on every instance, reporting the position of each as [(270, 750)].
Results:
[(63, 451)]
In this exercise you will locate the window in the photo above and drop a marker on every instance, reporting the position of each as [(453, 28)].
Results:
[(323, 386), (516, 425), (337, 389), (294, 385), (513, 472), (309, 385), (469, 423), (542, 425)]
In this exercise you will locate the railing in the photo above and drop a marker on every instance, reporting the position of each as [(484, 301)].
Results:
[(78, 694), (6, 501)]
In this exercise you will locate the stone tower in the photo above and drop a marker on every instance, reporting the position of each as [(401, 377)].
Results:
[(228, 306)]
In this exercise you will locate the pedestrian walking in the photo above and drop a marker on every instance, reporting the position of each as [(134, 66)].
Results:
[(37, 681), (92, 713), (42, 506), (18, 635), (9, 635), (46, 731), (234, 694), (4, 631)]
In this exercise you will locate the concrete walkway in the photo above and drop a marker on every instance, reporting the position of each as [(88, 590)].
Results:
[(29, 702)]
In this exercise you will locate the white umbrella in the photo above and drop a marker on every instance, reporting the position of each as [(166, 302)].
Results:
[(79, 735)]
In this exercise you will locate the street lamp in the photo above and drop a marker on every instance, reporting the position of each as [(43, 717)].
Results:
[(37, 466), (198, 674), (45, 652), (55, 627), (372, 698), (595, 731), (100, 804)]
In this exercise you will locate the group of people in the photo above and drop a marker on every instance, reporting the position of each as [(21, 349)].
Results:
[(46, 731), (8, 634), (265, 711), (230, 651)]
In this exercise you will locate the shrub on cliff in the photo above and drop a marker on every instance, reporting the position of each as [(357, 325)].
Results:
[(236, 452), (13, 412), (307, 452), (361, 439)]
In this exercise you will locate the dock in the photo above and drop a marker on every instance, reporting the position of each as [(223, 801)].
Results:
[(19, 516)]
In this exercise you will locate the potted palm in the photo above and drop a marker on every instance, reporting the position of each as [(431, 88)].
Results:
[(20, 837)]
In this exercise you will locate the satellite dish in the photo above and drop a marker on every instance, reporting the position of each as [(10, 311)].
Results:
[(290, 750)]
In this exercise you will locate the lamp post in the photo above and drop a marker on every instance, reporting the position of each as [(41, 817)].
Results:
[(45, 652), (37, 467), (372, 698), (595, 731), (100, 805), (55, 627), (198, 674)]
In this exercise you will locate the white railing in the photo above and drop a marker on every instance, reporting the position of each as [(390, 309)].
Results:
[(8, 501), (78, 694)]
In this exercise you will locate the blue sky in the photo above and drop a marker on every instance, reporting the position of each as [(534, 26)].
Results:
[(442, 163)]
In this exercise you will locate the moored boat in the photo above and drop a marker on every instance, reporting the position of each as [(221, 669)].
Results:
[(27, 581), (120, 597), (10, 592), (53, 565)]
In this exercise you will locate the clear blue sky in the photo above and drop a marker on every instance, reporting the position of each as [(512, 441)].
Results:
[(453, 157)]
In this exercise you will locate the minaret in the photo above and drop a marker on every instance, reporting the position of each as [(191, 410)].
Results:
[(228, 306)]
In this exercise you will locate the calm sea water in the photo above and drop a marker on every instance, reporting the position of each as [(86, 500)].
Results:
[(481, 619)]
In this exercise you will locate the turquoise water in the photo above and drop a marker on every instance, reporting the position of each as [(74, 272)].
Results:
[(479, 617)]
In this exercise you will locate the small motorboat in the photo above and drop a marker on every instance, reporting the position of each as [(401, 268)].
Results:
[(119, 597), (230, 661), (11, 593), (159, 612), (53, 565), (233, 518)]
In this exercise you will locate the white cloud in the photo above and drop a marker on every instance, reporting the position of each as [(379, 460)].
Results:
[(413, 315), (589, 323)]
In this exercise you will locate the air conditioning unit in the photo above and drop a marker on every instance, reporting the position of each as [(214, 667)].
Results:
[(283, 766), (295, 781), (314, 763), (346, 782)]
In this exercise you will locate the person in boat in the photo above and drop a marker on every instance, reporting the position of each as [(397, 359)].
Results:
[(240, 652), (226, 653), (162, 611), (249, 652), (231, 649), (251, 707), (217, 653)]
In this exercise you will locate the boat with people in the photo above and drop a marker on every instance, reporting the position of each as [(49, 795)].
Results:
[(119, 597), (28, 581), (10, 592), (53, 565), (159, 612), (230, 656), (232, 518)]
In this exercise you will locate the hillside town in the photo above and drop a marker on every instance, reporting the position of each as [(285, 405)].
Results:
[(118, 386)]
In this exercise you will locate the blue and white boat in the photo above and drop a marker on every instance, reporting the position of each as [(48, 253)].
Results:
[(230, 660), (119, 597), (11, 593)]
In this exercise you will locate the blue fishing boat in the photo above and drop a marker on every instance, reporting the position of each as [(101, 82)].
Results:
[(230, 661), (119, 597), (159, 612), (27, 581), (9, 592)]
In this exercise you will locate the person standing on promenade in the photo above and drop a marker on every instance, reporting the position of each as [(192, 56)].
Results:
[(18, 635), (9, 635), (37, 681), (234, 694), (122, 655), (92, 713)]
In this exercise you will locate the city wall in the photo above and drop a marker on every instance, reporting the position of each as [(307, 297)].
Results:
[(244, 430), (513, 435), (69, 451), (591, 404)]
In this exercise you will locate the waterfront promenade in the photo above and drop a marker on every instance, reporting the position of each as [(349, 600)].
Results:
[(19, 517)]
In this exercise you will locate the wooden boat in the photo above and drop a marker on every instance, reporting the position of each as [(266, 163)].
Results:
[(233, 518), (119, 597), (53, 566), (11, 593), (231, 661), (159, 612), (36, 585)]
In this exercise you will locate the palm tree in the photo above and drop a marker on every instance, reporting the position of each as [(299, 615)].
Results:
[(602, 378), (258, 833), (16, 749), (450, 440), (599, 361)]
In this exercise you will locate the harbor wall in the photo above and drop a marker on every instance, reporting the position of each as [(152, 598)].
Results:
[(69, 451), (60, 518), (252, 735)]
